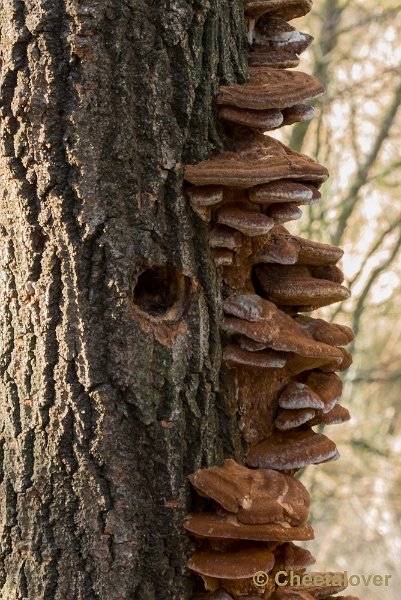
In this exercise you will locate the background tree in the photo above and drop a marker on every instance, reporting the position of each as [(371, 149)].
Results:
[(109, 305)]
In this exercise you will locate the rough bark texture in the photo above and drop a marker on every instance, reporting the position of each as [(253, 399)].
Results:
[(108, 389)]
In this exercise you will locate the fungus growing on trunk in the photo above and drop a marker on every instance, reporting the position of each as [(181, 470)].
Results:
[(262, 321), (248, 222), (290, 557), (284, 9), (287, 93), (284, 363), (292, 450), (328, 333), (233, 570), (290, 419), (261, 496), (281, 191), (282, 213), (226, 526), (298, 396), (337, 415), (258, 160), (328, 386), (275, 43), (234, 355), (296, 286)]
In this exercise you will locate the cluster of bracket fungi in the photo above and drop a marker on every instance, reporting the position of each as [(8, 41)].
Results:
[(285, 361)]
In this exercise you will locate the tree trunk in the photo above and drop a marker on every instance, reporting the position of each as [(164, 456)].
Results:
[(110, 348)]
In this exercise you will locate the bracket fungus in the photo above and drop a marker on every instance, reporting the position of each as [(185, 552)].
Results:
[(261, 321), (234, 570), (283, 363), (298, 286), (225, 526), (258, 160), (292, 450), (255, 496), (275, 43), (287, 93), (290, 557), (337, 415), (284, 9)]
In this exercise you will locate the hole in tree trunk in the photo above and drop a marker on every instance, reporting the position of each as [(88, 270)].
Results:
[(161, 292)]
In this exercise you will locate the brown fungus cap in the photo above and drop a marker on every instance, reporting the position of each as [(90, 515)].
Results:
[(235, 356), (299, 113), (271, 88), (281, 191), (262, 321), (328, 386), (258, 160), (263, 496), (278, 250), (292, 557), (316, 254), (328, 333), (258, 119), (294, 285), (328, 272), (275, 29), (225, 237), (311, 255), (292, 450), (297, 396), (338, 415), (276, 59), (246, 221), (295, 43), (284, 9), (241, 564), (205, 196), (226, 526), (282, 213), (345, 363), (291, 419)]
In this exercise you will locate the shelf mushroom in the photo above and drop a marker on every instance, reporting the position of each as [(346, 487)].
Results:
[(261, 321), (285, 9), (290, 557), (225, 526), (259, 159), (268, 95), (231, 570), (276, 43), (338, 415), (310, 402), (290, 450), (253, 510), (255, 496), (319, 592), (236, 191), (298, 286)]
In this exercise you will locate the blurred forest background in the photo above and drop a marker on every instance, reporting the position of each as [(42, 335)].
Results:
[(357, 134)]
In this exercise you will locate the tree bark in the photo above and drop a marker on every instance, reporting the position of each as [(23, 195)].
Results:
[(110, 305)]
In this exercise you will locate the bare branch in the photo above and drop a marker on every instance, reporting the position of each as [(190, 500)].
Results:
[(362, 176)]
